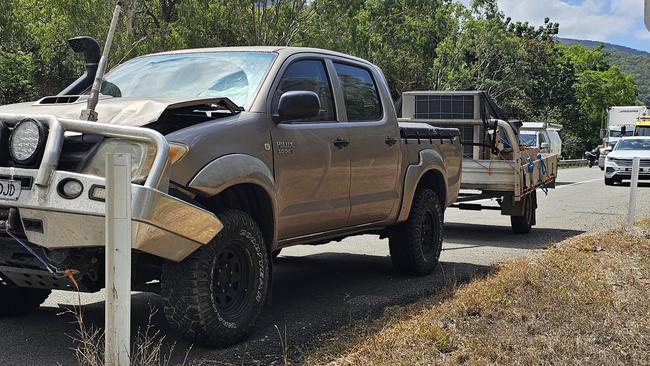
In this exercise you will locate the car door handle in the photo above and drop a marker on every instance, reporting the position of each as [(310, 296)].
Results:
[(390, 141), (341, 143)]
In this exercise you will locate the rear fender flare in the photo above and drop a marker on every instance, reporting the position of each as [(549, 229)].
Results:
[(430, 160)]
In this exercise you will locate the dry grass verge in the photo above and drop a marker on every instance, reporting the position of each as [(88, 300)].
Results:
[(584, 301), (148, 349)]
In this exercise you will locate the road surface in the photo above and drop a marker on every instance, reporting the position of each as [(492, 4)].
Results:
[(319, 289)]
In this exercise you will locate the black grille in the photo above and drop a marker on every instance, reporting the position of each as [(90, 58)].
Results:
[(77, 150), (66, 99)]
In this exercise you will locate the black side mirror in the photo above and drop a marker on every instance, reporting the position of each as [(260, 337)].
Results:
[(298, 104)]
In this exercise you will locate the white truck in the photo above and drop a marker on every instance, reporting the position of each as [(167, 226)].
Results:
[(620, 123), (496, 168)]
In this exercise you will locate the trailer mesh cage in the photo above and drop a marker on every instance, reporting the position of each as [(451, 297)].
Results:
[(448, 108), (444, 107)]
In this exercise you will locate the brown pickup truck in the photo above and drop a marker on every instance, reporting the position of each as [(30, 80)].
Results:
[(237, 153)]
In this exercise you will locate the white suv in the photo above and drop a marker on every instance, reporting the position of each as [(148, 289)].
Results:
[(618, 164)]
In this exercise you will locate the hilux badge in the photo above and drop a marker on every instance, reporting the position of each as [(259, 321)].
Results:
[(285, 147)]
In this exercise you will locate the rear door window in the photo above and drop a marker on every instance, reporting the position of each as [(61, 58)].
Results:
[(360, 93)]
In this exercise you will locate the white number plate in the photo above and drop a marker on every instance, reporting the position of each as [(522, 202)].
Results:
[(9, 190)]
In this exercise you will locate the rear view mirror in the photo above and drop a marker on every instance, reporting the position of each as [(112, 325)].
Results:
[(296, 105), (544, 145)]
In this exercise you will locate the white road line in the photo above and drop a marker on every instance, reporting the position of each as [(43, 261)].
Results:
[(576, 183)]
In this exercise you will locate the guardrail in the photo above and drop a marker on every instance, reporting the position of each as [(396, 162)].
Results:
[(571, 163)]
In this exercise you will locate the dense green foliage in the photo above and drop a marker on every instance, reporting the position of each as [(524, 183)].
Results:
[(420, 44), (634, 64), (631, 61)]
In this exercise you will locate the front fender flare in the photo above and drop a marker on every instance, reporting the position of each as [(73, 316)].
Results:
[(235, 169), (231, 170)]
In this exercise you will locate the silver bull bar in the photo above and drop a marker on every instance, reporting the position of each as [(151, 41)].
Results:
[(162, 225)]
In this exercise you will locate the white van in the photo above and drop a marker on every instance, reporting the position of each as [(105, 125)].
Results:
[(542, 135)]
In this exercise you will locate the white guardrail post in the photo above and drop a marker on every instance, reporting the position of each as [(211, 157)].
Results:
[(118, 260), (634, 184)]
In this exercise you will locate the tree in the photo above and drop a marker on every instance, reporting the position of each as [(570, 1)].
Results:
[(419, 44), (17, 81), (598, 86), (400, 36), (483, 55)]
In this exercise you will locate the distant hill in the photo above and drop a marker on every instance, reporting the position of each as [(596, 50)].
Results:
[(630, 60)]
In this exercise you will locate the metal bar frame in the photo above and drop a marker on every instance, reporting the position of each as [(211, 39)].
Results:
[(58, 126)]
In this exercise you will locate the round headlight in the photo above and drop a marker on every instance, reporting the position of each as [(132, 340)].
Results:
[(26, 141)]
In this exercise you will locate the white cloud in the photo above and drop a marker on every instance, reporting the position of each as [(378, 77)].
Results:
[(587, 19), (643, 35), (631, 8), (591, 19)]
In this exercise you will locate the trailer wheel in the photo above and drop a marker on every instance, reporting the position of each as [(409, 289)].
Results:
[(523, 224), (19, 300), (215, 296), (415, 245)]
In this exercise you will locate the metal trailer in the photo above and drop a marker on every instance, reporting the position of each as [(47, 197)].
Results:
[(496, 169)]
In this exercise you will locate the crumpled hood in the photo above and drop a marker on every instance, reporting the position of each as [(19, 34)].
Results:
[(135, 112)]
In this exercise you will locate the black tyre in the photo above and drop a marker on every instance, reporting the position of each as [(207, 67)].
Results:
[(18, 300), (523, 224), (415, 245), (215, 296), (610, 181)]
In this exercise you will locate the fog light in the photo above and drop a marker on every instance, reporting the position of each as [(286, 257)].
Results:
[(70, 188), (98, 193)]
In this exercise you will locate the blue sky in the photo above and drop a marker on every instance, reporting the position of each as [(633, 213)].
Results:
[(613, 21)]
